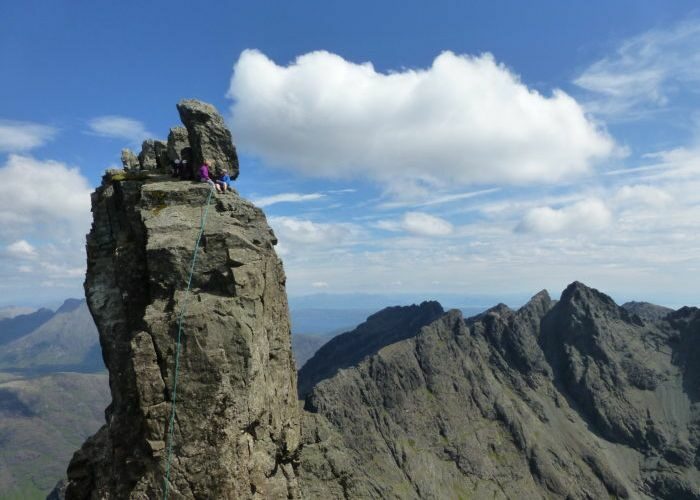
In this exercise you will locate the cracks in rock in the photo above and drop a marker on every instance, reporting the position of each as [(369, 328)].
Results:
[(250, 429), (393, 452)]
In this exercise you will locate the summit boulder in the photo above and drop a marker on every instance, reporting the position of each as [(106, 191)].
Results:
[(208, 136)]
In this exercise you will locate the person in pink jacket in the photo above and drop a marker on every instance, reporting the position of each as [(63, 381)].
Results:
[(204, 176)]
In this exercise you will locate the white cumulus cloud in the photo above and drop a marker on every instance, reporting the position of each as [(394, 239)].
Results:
[(585, 215), (46, 203), (18, 136), (35, 193), (463, 120), (119, 127)]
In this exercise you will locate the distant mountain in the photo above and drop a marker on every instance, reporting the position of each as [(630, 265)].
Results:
[(67, 340), (380, 329), (42, 421), (330, 321), (17, 326), (647, 311), (573, 399), (70, 305), (376, 301), (46, 411), (12, 311), (305, 346)]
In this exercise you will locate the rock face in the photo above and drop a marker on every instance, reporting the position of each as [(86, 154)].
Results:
[(178, 142), (129, 160), (208, 136), (647, 311), (147, 156), (204, 137), (160, 149), (573, 399), (383, 328), (237, 426)]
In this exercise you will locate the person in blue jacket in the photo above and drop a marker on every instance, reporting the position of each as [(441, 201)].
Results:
[(224, 181)]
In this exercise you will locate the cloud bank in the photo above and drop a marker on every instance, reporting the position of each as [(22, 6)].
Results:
[(464, 120), (22, 136), (44, 215)]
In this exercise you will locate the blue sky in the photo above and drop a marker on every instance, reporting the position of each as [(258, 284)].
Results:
[(476, 148)]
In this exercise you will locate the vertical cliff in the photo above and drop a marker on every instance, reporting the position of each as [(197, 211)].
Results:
[(237, 424)]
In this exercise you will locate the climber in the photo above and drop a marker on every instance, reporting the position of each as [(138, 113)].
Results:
[(224, 181), (175, 168), (204, 176), (185, 170)]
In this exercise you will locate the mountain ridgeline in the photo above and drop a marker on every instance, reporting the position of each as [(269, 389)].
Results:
[(577, 398), (573, 399), (347, 349)]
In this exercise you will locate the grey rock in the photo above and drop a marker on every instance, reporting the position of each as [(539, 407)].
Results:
[(237, 428), (573, 399), (162, 159), (383, 328), (129, 160), (147, 156), (647, 311), (178, 142), (208, 135)]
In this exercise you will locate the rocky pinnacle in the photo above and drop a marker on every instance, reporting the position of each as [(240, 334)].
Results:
[(237, 421)]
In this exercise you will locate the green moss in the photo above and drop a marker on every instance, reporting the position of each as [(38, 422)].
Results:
[(157, 195), (159, 198), (128, 176), (158, 209)]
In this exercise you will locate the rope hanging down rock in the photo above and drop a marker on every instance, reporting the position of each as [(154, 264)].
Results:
[(166, 480)]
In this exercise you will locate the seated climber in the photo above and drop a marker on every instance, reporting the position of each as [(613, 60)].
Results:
[(224, 181), (175, 167), (204, 176), (185, 170)]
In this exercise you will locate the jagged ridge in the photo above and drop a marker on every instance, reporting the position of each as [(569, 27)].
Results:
[(573, 399)]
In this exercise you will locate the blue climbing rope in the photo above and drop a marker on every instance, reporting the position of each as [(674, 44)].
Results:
[(171, 426)]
